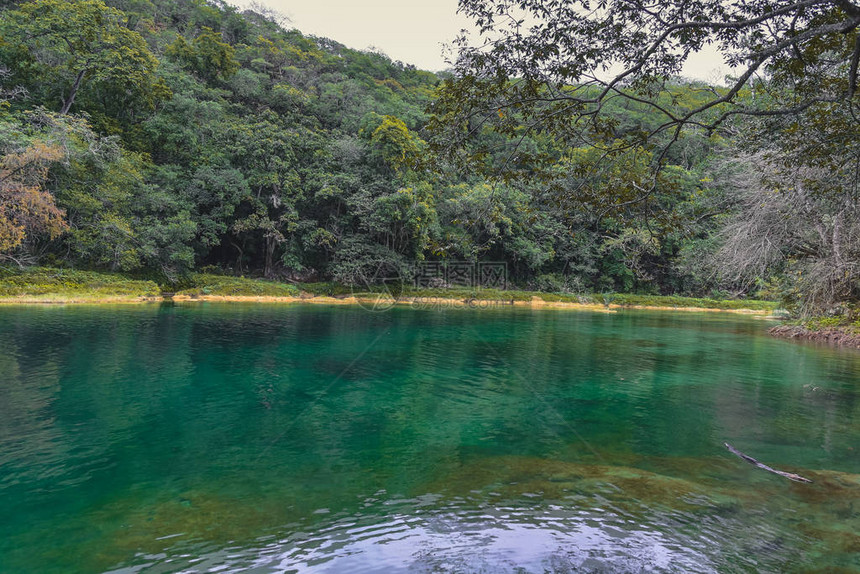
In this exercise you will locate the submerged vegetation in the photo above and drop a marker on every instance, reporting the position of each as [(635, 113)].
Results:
[(158, 138)]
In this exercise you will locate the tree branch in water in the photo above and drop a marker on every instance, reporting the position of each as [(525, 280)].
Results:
[(754, 462)]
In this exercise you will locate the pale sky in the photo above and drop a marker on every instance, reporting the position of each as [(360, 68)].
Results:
[(413, 31)]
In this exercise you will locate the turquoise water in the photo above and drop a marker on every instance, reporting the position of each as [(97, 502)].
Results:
[(224, 438)]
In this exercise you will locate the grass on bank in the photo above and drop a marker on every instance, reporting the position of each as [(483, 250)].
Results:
[(48, 284), (201, 284)]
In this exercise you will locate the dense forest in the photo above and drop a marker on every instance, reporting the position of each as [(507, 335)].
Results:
[(160, 137)]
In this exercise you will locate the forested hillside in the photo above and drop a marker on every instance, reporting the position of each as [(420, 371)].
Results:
[(159, 137)]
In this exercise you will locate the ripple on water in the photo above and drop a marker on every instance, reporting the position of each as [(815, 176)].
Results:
[(452, 540), (431, 534)]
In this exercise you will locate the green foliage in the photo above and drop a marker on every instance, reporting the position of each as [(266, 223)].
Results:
[(393, 143), (327, 289), (207, 55), (557, 283)]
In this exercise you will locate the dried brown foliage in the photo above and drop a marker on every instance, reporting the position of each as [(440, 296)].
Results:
[(27, 209)]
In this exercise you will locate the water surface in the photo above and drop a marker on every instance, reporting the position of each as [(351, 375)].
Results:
[(266, 438)]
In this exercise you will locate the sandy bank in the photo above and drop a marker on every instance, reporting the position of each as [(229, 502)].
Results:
[(441, 302), (55, 299), (379, 304)]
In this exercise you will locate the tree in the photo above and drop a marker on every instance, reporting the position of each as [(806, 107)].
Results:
[(26, 208), (796, 212), (75, 43), (262, 149), (783, 228), (558, 66), (207, 55), (391, 141)]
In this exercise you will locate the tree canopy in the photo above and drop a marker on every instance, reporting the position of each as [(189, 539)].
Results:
[(562, 67)]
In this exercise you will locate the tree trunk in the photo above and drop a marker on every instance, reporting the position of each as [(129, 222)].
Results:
[(270, 251), (67, 103), (239, 258)]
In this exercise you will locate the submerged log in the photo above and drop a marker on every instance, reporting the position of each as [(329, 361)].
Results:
[(754, 462)]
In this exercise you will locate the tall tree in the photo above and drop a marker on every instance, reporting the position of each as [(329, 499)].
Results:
[(74, 43)]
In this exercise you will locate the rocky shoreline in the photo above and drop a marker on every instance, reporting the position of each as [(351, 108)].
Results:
[(832, 336)]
